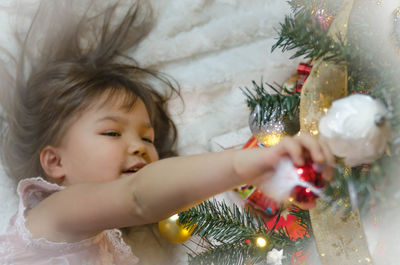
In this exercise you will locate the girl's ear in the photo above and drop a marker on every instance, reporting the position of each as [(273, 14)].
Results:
[(50, 160)]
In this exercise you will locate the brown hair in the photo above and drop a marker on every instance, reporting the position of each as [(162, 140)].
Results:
[(62, 69)]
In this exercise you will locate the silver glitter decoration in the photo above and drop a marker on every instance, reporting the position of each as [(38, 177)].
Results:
[(270, 131)]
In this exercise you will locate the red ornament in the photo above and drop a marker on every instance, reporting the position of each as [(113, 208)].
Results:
[(311, 173), (304, 69)]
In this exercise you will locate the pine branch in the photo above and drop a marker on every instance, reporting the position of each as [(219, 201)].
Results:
[(217, 256), (219, 222), (309, 39), (366, 180), (302, 219), (271, 106), (236, 232)]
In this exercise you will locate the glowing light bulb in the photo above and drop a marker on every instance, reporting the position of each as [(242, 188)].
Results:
[(300, 171), (308, 190), (261, 242)]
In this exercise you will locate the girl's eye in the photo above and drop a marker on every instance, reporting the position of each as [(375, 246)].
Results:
[(112, 134), (147, 140)]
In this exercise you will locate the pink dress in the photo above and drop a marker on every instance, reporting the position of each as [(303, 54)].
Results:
[(17, 246)]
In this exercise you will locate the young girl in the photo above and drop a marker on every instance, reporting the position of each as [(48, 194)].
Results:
[(94, 143)]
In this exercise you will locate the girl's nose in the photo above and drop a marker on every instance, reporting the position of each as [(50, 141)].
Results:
[(137, 148)]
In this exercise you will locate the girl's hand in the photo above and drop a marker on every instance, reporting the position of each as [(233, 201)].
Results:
[(257, 165)]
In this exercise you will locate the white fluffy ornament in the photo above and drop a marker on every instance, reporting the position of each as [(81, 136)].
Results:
[(356, 129), (274, 257), (280, 186)]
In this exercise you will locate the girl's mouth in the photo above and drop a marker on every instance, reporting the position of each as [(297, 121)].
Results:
[(134, 168)]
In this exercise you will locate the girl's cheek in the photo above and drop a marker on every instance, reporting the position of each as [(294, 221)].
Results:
[(155, 155)]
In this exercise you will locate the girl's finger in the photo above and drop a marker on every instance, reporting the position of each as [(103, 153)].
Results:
[(327, 173), (330, 159), (294, 149), (311, 144)]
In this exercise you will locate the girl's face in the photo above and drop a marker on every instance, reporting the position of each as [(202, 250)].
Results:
[(107, 142)]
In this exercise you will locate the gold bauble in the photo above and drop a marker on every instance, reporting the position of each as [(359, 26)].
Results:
[(173, 231)]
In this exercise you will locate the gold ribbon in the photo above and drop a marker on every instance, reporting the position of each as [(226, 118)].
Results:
[(340, 239)]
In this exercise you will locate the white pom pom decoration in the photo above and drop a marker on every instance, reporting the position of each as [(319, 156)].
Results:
[(356, 129), (274, 257), (280, 186)]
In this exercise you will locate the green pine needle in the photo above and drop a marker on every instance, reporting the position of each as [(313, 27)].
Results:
[(309, 39), (234, 234), (228, 224), (224, 254), (272, 106)]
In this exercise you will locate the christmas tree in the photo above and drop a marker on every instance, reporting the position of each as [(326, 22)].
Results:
[(329, 39)]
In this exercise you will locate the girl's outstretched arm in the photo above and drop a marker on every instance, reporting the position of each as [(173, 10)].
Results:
[(179, 183), (161, 189)]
